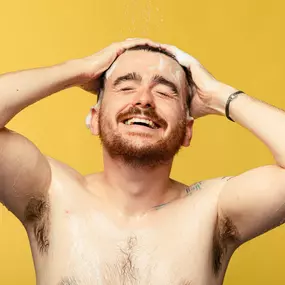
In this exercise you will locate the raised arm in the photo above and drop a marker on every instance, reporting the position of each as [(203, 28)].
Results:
[(254, 201), (25, 173)]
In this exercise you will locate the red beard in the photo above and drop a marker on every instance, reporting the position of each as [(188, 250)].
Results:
[(160, 152)]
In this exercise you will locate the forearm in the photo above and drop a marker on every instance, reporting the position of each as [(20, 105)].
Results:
[(21, 89), (263, 120)]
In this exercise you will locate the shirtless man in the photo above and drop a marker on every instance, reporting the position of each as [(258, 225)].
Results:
[(132, 224)]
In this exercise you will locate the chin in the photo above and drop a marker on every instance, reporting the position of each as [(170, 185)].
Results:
[(142, 148)]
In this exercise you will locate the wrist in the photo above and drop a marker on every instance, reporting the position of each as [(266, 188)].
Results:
[(73, 73), (220, 98)]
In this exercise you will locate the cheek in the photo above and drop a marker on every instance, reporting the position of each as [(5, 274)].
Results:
[(113, 106), (107, 110), (168, 103), (170, 111)]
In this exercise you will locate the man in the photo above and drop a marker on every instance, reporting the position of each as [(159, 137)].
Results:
[(132, 224)]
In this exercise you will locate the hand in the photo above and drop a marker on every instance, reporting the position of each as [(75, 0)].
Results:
[(92, 67), (209, 93)]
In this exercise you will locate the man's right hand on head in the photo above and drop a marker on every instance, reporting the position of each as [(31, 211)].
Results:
[(92, 67)]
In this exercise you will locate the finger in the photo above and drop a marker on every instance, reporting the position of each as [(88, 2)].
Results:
[(168, 47), (181, 56), (138, 39), (127, 44), (135, 42)]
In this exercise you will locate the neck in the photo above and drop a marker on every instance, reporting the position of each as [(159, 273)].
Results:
[(136, 190)]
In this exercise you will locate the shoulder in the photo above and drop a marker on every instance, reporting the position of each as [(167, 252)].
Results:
[(208, 184)]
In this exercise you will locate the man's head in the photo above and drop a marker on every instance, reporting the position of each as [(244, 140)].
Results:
[(143, 107)]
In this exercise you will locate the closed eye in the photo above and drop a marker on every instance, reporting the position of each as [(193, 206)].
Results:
[(162, 93), (127, 89), (167, 93)]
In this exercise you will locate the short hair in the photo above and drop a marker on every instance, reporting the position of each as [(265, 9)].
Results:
[(188, 74)]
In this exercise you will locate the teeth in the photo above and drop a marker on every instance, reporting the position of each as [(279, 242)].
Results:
[(137, 120)]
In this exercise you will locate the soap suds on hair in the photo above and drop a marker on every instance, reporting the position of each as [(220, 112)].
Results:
[(110, 70)]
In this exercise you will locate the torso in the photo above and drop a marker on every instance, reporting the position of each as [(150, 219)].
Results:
[(76, 242)]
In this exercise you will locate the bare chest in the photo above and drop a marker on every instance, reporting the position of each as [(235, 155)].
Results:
[(87, 248)]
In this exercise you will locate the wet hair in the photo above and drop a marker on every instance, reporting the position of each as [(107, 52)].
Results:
[(188, 75)]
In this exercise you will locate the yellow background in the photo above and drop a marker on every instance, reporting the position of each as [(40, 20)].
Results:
[(240, 42)]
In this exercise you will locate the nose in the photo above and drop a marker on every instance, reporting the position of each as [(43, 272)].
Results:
[(144, 99)]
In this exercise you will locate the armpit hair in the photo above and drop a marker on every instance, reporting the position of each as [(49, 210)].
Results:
[(68, 281), (37, 217), (225, 234)]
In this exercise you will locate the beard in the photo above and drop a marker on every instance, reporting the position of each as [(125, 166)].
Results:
[(135, 155)]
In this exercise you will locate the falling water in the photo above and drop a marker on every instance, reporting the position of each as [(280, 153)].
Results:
[(143, 12)]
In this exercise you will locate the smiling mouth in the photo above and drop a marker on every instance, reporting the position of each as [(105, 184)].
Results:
[(141, 122)]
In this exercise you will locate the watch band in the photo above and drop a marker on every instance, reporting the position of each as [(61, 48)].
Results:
[(230, 99)]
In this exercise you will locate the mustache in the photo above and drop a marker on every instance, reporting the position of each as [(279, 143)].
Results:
[(149, 113)]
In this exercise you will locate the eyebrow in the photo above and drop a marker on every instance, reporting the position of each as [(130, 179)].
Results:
[(156, 79), (133, 76)]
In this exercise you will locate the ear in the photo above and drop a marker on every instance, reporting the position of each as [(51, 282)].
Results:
[(189, 131), (94, 127)]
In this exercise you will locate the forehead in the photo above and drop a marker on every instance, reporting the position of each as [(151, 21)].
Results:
[(147, 64)]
